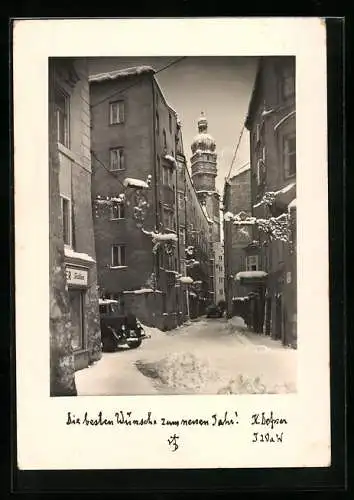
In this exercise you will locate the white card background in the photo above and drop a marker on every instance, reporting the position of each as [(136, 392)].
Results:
[(44, 441)]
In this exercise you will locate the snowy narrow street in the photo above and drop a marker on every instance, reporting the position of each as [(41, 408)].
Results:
[(209, 356)]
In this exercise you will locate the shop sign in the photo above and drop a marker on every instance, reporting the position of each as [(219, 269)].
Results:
[(75, 276)]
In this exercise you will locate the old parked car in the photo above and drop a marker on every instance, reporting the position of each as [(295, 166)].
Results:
[(214, 311), (119, 330)]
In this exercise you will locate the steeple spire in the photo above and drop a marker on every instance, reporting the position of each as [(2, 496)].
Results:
[(202, 123)]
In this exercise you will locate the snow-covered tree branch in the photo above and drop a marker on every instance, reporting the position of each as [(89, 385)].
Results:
[(276, 228)]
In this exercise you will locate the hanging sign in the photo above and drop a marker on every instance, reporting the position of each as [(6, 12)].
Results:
[(288, 277), (75, 276)]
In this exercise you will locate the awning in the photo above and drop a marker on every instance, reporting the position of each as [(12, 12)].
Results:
[(251, 277)]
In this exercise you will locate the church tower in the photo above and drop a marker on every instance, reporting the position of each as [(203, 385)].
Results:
[(204, 171)]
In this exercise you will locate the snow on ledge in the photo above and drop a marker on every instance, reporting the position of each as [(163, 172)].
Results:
[(103, 302), (250, 274), (118, 267), (130, 182), (162, 236), (121, 73), (171, 159), (292, 205), (141, 291), (186, 279), (69, 252)]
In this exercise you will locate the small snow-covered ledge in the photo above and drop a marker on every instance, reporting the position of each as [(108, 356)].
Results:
[(70, 253), (137, 183), (103, 302), (186, 280), (118, 267), (250, 274), (171, 159), (141, 291), (161, 236), (292, 205)]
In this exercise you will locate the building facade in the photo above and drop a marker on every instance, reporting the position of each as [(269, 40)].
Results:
[(69, 111), (236, 199), (272, 127), (136, 135), (219, 271)]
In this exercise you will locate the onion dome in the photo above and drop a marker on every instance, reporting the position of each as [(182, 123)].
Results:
[(203, 141)]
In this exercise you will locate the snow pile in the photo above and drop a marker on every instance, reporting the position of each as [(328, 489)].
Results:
[(181, 371), (137, 183), (121, 73), (157, 237), (249, 385)]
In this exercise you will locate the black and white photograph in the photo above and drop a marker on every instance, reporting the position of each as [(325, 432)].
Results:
[(171, 220), (173, 214)]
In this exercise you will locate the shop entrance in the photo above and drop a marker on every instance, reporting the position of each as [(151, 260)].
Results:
[(76, 301)]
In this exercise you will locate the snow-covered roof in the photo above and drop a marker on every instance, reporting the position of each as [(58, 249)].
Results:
[(250, 274), (103, 302), (243, 169), (121, 73), (186, 279), (76, 255), (135, 183)]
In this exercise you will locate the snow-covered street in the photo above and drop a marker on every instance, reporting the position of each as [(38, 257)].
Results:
[(209, 356)]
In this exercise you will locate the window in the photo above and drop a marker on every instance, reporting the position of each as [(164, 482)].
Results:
[(116, 159), (168, 219), (166, 176), (157, 123), (221, 280), (221, 291), (62, 117), (76, 314), (117, 211), (164, 139), (116, 112), (181, 201), (289, 155), (118, 255), (170, 123), (252, 263), (220, 257), (66, 217), (287, 83), (260, 166)]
